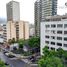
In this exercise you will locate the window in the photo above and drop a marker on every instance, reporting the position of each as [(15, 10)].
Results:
[(59, 25), (47, 31), (65, 25), (65, 38), (47, 26), (65, 32), (46, 36), (53, 26), (52, 48), (65, 45), (52, 37), (59, 32), (59, 38), (59, 44), (52, 43), (47, 42), (53, 31)]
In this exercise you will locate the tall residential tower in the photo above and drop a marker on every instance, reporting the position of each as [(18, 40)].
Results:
[(49, 8), (44, 8), (15, 28), (37, 17), (13, 11)]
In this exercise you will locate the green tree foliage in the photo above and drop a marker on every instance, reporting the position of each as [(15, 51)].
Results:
[(50, 62), (11, 41), (45, 51), (34, 42), (50, 53), (21, 42), (2, 64), (65, 55), (52, 58), (60, 52)]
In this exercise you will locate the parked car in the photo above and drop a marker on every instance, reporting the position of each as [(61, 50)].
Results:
[(9, 55)]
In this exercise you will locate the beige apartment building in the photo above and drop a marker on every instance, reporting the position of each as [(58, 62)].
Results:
[(17, 30), (26, 30), (11, 30)]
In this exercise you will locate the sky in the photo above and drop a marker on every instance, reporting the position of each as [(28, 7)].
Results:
[(27, 9)]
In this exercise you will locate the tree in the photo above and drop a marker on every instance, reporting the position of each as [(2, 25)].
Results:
[(34, 42), (60, 52), (9, 41), (45, 51), (50, 62), (2, 64), (50, 53), (51, 58), (21, 43), (13, 40)]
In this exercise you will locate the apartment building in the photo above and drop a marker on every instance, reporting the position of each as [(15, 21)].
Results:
[(26, 30), (1, 34), (4, 33), (37, 18), (54, 33), (43, 8), (17, 30), (49, 8), (11, 30), (13, 11)]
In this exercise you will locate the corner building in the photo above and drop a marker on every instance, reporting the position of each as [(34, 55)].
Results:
[(54, 33)]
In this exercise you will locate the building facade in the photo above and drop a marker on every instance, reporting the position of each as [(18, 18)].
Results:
[(37, 19), (4, 32), (11, 30), (1, 34), (54, 34), (17, 30), (49, 8), (44, 8), (13, 11)]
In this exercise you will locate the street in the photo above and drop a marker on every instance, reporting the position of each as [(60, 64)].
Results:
[(13, 62)]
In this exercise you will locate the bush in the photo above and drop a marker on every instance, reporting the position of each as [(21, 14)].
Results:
[(50, 62), (2, 64)]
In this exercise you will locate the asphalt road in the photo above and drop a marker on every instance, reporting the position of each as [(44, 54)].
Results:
[(13, 62)]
